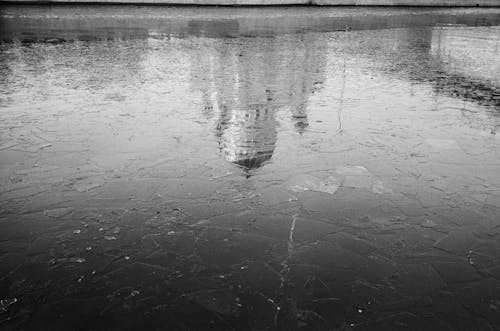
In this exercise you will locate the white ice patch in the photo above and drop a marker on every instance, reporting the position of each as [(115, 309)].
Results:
[(378, 187), (352, 171), (303, 183), (355, 176), (443, 144)]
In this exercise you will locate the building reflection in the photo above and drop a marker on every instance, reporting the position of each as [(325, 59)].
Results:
[(246, 81), (247, 78), (470, 59), (460, 62)]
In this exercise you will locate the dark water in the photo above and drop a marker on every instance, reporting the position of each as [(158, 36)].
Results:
[(299, 168)]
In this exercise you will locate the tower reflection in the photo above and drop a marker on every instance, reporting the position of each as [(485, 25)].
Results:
[(246, 81)]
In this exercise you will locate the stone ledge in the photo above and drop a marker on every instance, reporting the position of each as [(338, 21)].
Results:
[(409, 3)]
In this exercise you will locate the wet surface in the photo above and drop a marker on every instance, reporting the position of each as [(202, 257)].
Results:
[(252, 169)]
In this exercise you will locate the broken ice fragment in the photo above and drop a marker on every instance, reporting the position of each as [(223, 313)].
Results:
[(310, 183), (221, 176), (428, 224), (57, 212), (85, 187), (456, 272), (218, 301), (352, 171), (7, 302), (116, 230), (355, 176), (470, 258), (379, 188), (458, 242), (72, 260), (201, 222)]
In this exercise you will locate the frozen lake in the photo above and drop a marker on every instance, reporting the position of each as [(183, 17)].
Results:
[(184, 168)]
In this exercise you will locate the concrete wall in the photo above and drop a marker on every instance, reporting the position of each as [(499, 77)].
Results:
[(431, 3)]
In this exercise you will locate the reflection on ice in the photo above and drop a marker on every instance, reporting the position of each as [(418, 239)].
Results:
[(249, 169), (452, 46), (245, 84)]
